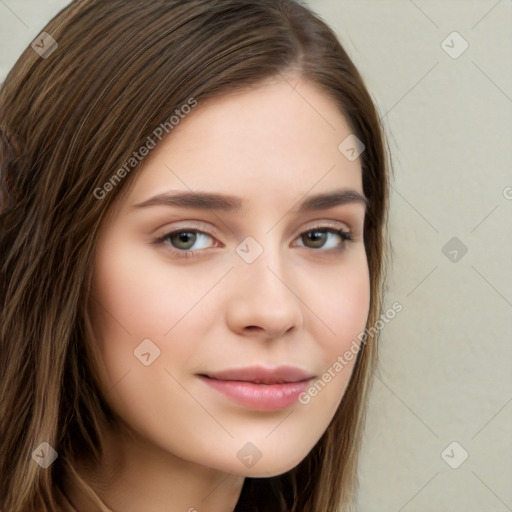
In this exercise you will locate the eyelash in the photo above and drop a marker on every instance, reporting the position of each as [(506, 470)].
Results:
[(187, 253)]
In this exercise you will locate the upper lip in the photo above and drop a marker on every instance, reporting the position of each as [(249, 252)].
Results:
[(262, 374)]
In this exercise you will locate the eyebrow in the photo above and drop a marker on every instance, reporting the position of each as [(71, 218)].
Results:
[(229, 203)]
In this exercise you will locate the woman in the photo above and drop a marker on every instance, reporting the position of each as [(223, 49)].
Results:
[(143, 373)]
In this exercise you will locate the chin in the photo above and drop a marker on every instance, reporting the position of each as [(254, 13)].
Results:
[(274, 467)]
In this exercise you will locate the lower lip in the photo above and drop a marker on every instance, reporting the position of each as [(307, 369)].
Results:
[(264, 397)]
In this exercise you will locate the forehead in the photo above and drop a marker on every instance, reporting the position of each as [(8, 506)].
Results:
[(280, 137)]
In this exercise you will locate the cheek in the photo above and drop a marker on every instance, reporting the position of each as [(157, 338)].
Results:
[(132, 300), (130, 295), (136, 292), (137, 296), (344, 306)]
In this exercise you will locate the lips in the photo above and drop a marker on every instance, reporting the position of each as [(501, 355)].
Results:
[(259, 388), (262, 375)]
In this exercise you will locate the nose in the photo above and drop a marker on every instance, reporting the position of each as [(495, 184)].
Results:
[(263, 301)]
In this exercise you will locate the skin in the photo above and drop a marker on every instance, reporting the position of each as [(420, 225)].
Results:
[(300, 302)]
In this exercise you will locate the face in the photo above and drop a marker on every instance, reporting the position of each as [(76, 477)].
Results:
[(221, 321)]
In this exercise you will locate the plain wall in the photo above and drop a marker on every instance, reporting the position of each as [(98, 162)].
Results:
[(445, 360)]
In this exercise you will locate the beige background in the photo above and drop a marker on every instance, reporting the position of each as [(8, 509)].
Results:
[(445, 373)]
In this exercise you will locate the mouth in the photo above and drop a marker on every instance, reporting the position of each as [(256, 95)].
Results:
[(258, 387)]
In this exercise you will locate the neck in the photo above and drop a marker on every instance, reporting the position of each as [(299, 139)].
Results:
[(137, 476)]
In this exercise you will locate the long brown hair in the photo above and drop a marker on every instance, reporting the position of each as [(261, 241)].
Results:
[(71, 117)]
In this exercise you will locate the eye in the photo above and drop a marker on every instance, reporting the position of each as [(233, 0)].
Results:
[(319, 237), (184, 240)]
